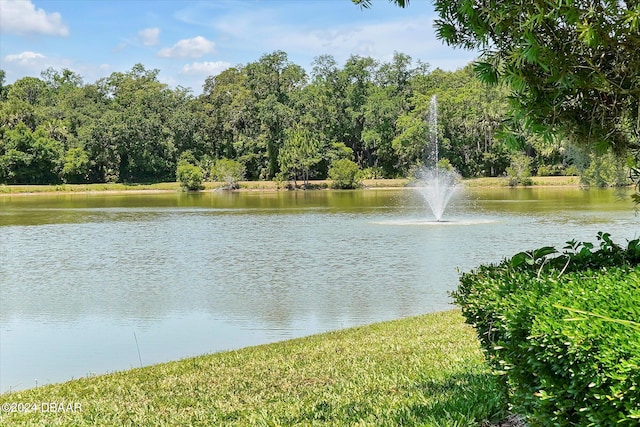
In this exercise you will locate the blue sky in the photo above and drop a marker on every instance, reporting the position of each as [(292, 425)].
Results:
[(190, 40)]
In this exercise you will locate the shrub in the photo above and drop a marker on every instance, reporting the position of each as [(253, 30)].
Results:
[(371, 173), (228, 171), (189, 176), (589, 369), (519, 172), (572, 171), (344, 174), (606, 170), (584, 371), (551, 170)]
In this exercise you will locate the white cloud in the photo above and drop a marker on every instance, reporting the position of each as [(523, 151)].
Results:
[(206, 68), (302, 40), (189, 48), (379, 40), (149, 36), (25, 58), (21, 17)]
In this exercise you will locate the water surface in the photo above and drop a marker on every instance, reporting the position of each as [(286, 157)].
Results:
[(83, 277)]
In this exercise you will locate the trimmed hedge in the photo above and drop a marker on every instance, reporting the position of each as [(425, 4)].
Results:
[(563, 331)]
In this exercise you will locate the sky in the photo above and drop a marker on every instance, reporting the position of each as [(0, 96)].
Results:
[(191, 40)]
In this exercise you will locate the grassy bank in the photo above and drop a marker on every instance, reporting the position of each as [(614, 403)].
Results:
[(87, 188), (175, 186), (262, 185), (425, 370), (538, 181)]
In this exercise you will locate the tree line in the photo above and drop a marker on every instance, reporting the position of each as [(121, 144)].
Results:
[(274, 121)]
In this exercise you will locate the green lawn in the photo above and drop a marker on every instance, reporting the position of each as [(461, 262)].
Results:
[(425, 370)]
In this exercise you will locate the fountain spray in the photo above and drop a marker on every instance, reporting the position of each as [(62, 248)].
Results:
[(436, 184)]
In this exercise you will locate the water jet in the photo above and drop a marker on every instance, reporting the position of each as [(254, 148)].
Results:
[(436, 183)]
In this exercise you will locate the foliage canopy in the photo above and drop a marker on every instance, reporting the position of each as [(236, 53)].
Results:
[(572, 66), (269, 116)]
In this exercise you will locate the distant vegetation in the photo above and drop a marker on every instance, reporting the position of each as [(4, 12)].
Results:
[(274, 122)]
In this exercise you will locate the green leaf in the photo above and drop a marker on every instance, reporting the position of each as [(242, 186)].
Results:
[(543, 252), (600, 316), (519, 259), (486, 72)]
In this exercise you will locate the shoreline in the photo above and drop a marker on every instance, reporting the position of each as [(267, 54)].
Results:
[(8, 190)]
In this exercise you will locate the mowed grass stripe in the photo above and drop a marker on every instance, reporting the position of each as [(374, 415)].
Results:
[(425, 370)]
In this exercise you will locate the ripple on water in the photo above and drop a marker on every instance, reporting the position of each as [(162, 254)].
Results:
[(444, 223)]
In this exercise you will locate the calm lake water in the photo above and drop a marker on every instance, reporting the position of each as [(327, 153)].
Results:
[(87, 280)]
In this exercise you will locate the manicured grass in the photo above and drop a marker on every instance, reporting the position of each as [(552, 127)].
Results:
[(425, 370)]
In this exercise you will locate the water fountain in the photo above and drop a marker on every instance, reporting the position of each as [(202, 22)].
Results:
[(436, 184)]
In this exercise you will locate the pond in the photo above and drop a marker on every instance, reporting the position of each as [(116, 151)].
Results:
[(94, 283)]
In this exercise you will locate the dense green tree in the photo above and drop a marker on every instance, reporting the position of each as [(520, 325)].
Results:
[(409, 142), (83, 106), (386, 102), (357, 80), (3, 87), (15, 111), (136, 126), (299, 154), (330, 86), (76, 166), (267, 116), (60, 81), (31, 90), (25, 100), (229, 111), (469, 116), (571, 66), (29, 157), (186, 122), (319, 109), (272, 80), (380, 115)]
